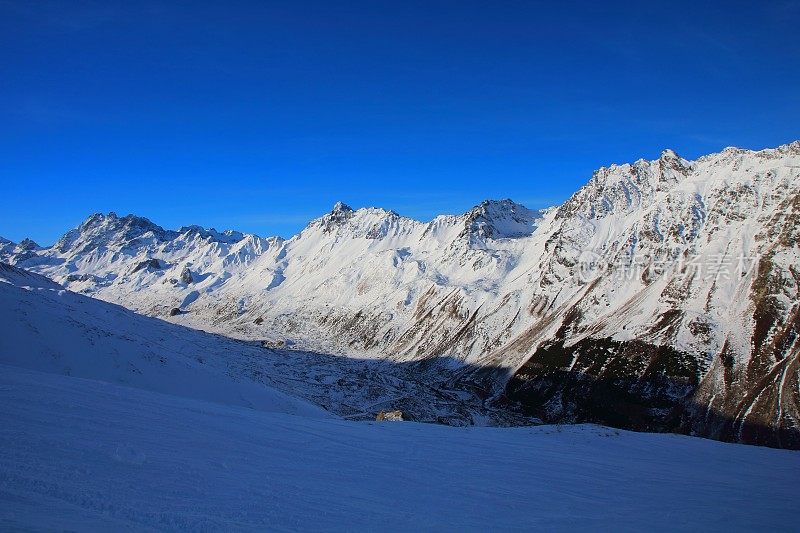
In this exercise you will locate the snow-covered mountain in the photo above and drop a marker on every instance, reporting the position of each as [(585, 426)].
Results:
[(661, 295)]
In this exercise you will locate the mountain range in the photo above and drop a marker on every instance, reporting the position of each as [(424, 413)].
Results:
[(661, 296)]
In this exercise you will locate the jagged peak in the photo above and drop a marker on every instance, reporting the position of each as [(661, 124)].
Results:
[(109, 228), (228, 236), (28, 244), (97, 218), (668, 153), (369, 222), (489, 204), (113, 220), (341, 207), (102, 229), (500, 219), (626, 186), (191, 228), (340, 214), (731, 152)]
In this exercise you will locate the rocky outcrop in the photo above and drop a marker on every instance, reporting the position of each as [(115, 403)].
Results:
[(389, 416), (186, 275), (148, 264), (500, 219), (80, 278)]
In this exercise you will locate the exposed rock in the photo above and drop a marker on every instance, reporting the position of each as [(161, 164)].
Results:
[(493, 219), (186, 275), (175, 311), (150, 264), (340, 214), (212, 235), (72, 278), (28, 245), (273, 345), (632, 385), (389, 416)]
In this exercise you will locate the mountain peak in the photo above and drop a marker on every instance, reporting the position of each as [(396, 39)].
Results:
[(6, 247), (112, 219), (101, 229), (228, 236), (341, 207), (340, 214), (28, 244), (97, 218), (669, 154), (500, 219)]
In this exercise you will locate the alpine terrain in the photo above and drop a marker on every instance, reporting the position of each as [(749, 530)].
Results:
[(662, 296)]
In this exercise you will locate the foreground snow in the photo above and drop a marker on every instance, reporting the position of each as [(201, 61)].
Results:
[(83, 454)]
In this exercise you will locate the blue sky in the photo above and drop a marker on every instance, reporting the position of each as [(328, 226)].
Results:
[(260, 115)]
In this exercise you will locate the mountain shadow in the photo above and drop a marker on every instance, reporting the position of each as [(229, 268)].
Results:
[(643, 387), (626, 385)]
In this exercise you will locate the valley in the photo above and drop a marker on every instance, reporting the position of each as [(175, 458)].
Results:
[(673, 281)]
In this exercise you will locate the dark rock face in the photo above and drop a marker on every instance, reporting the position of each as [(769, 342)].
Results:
[(186, 275), (339, 215), (497, 219), (150, 264), (174, 311), (80, 277), (28, 245), (23, 256), (211, 235), (624, 384), (634, 385)]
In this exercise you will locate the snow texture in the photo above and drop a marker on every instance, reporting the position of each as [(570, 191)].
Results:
[(87, 455)]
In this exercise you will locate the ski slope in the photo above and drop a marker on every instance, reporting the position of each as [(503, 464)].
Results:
[(84, 455)]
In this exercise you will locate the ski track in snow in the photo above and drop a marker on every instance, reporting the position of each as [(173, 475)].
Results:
[(82, 454)]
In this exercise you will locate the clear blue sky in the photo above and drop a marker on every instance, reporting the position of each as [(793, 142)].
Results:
[(260, 115)]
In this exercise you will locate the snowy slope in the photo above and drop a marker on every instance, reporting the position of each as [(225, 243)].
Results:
[(675, 280), (47, 328), (84, 455), (112, 420), (50, 329)]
